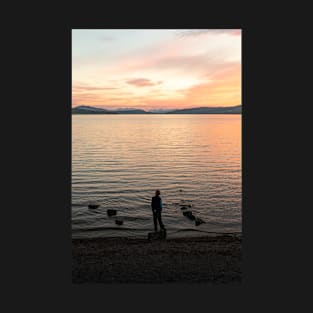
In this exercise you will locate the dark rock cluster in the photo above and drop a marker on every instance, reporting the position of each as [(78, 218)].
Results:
[(189, 214), (111, 212)]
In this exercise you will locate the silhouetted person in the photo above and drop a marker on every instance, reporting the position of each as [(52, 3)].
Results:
[(156, 205)]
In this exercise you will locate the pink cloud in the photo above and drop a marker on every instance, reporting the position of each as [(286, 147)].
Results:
[(142, 82)]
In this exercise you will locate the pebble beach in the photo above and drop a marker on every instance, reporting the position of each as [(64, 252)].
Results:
[(211, 259)]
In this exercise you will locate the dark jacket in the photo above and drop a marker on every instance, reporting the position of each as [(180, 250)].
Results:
[(156, 203)]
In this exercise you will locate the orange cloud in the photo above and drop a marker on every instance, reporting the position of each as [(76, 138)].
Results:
[(222, 89)]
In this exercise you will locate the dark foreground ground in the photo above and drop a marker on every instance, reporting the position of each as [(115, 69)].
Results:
[(184, 260)]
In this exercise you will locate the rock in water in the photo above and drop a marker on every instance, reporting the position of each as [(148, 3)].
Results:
[(160, 235), (119, 222), (199, 221), (111, 212), (192, 217), (183, 208), (93, 205), (189, 215)]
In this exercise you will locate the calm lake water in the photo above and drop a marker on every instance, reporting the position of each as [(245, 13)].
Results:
[(120, 160)]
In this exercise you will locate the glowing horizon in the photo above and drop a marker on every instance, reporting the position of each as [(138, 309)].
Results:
[(156, 69)]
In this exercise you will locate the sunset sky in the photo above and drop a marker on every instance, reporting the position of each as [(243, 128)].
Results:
[(156, 69)]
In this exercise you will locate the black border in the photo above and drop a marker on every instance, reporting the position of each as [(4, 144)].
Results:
[(39, 240)]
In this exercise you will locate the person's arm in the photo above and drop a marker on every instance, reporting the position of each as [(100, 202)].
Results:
[(161, 205)]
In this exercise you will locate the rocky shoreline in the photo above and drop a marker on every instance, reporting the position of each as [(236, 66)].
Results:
[(213, 259)]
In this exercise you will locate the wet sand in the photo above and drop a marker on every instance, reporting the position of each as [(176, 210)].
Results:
[(213, 260)]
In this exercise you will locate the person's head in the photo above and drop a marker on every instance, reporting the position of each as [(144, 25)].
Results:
[(157, 192)]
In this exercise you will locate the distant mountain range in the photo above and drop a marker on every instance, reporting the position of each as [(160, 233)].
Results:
[(209, 110), (84, 109)]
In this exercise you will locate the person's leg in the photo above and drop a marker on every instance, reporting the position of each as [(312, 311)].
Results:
[(155, 221), (160, 220)]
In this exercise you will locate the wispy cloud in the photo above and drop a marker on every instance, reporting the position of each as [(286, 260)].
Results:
[(91, 88), (77, 87), (142, 82), (198, 32)]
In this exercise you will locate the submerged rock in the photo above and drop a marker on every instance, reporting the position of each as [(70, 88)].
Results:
[(119, 222), (93, 205), (111, 212)]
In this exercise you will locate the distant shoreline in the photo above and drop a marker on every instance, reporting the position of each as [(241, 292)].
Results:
[(83, 109), (211, 259)]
